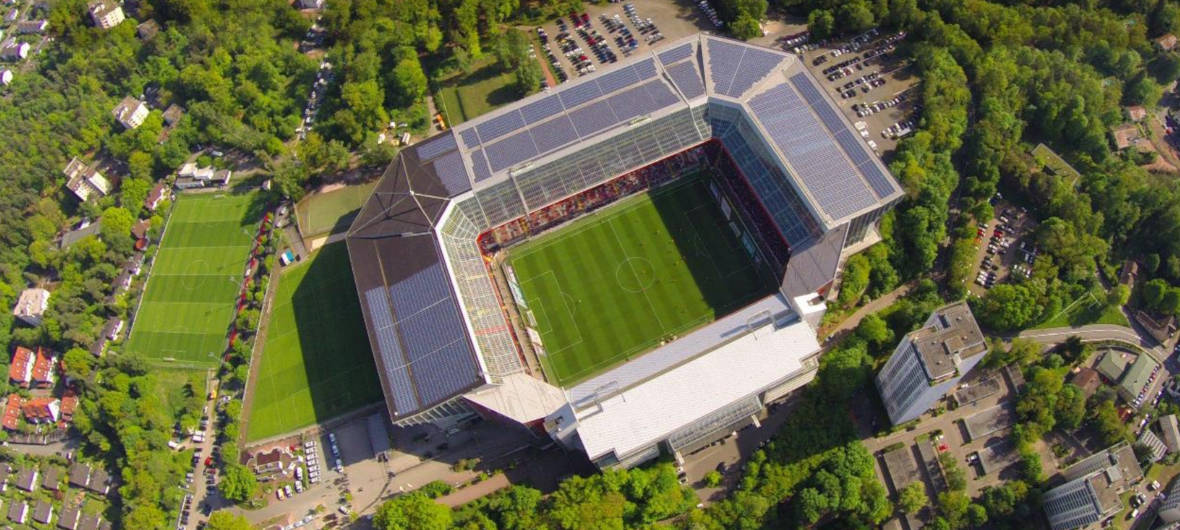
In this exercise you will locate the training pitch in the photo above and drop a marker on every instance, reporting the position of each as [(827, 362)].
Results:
[(618, 282), (316, 361), (190, 295)]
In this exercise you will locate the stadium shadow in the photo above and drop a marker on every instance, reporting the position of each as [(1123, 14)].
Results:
[(696, 231), (257, 207), (332, 336)]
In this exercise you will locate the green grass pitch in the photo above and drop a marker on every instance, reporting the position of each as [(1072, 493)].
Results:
[(331, 212), (615, 283), (190, 296), (316, 361)]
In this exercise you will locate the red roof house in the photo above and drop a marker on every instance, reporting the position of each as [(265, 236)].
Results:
[(20, 371), (44, 367), (69, 403), (42, 410), (11, 413)]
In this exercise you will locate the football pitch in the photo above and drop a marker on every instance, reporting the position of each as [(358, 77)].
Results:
[(189, 298), (316, 361), (620, 281)]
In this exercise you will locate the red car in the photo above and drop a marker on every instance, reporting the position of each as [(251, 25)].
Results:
[(208, 461)]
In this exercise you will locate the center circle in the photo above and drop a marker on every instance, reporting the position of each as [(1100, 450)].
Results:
[(635, 275)]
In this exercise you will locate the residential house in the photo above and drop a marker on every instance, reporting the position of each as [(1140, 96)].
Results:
[(113, 328), (11, 50), (309, 4), (84, 230), (1087, 379), (18, 512), (269, 462), (147, 30), (43, 513), (52, 478), (31, 306), (45, 368), (172, 115), (69, 404), (27, 27), (106, 14), (221, 177), (1160, 327), (159, 192), (79, 475), (20, 370), (1166, 42), (6, 76), (1092, 488), (1125, 135), (93, 522), (85, 181), (1153, 444), (41, 410), (100, 482), (1171, 431), (130, 112), (11, 418), (68, 520), (1130, 273), (140, 228), (28, 479), (4, 470), (929, 362), (1136, 113)]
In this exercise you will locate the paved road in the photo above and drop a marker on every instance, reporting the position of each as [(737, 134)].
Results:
[(848, 324), (1099, 332)]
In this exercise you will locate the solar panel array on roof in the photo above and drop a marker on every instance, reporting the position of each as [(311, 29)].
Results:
[(511, 151), (812, 152), (579, 94), (452, 173), (554, 133), (724, 58), (593, 118), (389, 348), (754, 66), (479, 164), (617, 80), (686, 78), (860, 158), (436, 146), (683, 51), (500, 126), (542, 109), (645, 68), (470, 138)]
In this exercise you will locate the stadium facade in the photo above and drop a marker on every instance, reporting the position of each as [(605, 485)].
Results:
[(443, 338)]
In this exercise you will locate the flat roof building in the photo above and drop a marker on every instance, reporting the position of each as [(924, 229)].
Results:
[(85, 181), (930, 361), (106, 14), (1092, 489), (31, 306), (130, 112), (1170, 428)]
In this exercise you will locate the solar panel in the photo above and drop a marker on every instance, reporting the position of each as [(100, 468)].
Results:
[(593, 118), (553, 134), (724, 59), (881, 183), (452, 173), (676, 54), (807, 89), (617, 80), (389, 348), (441, 359), (470, 137), (855, 152), (579, 94), (645, 69), (631, 103), (510, 151), (686, 78), (755, 65), (661, 95), (811, 152), (479, 165), (436, 146), (541, 109), (419, 290), (500, 126)]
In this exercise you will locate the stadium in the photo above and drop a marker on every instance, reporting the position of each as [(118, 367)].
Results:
[(632, 263)]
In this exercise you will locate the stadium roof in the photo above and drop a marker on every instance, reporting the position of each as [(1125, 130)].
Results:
[(419, 311)]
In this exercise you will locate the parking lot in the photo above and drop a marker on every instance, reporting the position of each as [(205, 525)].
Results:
[(1004, 246), (873, 87)]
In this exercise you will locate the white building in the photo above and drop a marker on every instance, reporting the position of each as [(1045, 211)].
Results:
[(106, 14), (14, 51), (31, 305), (5, 76), (85, 181), (929, 362), (130, 112)]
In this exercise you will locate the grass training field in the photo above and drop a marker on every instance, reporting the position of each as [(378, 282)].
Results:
[(614, 284), (316, 361), (331, 212), (189, 298), (462, 98)]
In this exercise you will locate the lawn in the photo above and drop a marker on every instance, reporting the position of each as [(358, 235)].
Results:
[(331, 212), (189, 299), (615, 284), (462, 98), (1086, 310), (316, 361)]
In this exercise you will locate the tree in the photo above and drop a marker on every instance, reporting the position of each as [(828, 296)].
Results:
[(745, 27), (1008, 307), (226, 520), (238, 483), (713, 479), (821, 24), (854, 281), (857, 16), (1143, 90), (873, 330), (414, 511), (116, 224), (976, 515), (409, 81), (76, 363), (528, 78), (1118, 296), (912, 498)]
